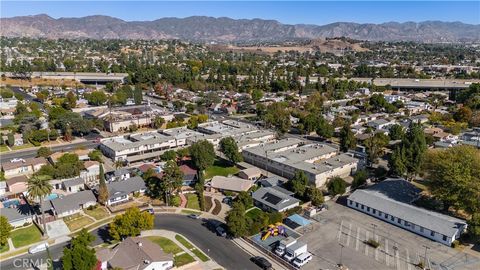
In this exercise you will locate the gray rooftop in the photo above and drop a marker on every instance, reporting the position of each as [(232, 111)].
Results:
[(125, 187), (274, 197), (73, 182), (392, 197), (72, 201), (19, 213)]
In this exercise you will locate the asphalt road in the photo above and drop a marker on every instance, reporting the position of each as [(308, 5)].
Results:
[(222, 250), (6, 157)]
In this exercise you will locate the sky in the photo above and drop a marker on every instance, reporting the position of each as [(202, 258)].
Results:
[(290, 12)]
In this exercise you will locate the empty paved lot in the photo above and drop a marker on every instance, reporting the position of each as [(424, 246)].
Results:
[(399, 249)]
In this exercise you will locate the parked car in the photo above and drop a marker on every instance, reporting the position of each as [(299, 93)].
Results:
[(194, 216), (38, 248), (221, 231), (262, 262), (302, 259)]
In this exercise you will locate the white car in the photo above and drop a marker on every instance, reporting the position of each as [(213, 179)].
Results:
[(38, 248), (302, 259)]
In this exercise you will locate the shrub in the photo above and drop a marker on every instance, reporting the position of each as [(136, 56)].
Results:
[(175, 201), (455, 243), (336, 186)]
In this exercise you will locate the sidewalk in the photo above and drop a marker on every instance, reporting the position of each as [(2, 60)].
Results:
[(210, 264)]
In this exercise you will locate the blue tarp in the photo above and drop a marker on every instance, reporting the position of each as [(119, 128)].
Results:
[(301, 221)]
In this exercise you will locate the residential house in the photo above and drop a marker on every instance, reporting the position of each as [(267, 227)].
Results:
[(118, 175), (73, 185), (23, 166), (274, 199), (3, 188), (189, 175), (392, 201), (235, 184), (135, 253), (17, 184), (122, 191), (379, 124), (91, 173), (252, 173), (19, 216), (70, 204), (18, 139)]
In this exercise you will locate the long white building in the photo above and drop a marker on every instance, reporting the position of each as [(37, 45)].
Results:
[(391, 201), (319, 162)]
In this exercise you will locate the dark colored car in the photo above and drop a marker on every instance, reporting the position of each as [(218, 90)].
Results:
[(221, 231), (261, 262)]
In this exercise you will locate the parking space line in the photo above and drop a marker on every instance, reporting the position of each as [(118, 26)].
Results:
[(357, 242), (409, 265), (348, 235), (339, 231), (397, 260)]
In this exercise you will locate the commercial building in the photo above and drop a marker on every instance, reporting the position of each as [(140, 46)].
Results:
[(391, 201), (318, 161)]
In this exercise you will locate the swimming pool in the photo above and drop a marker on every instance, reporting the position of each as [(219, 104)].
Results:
[(51, 196), (10, 203)]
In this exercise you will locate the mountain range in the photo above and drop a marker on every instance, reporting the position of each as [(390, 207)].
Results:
[(224, 30)]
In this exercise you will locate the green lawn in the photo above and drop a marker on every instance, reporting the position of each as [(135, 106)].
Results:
[(4, 248), (25, 236), (220, 167), (183, 259), (3, 148), (97, 213), (192, 201), (183, 241), (200, 255), (23, 146), (254, 213), (77, 222), (166, 244), (188, 212)]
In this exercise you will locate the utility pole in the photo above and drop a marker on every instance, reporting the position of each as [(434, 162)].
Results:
[(374, 230)]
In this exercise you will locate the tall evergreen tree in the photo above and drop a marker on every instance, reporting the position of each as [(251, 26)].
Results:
[(347, 138), (102, 188)]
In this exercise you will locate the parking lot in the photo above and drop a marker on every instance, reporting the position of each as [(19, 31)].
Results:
[(338, 237)]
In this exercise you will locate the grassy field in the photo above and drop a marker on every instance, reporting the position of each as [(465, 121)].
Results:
[(25, 236), (166, 244), (183, 241), (188, 212), (78, 222), (220, 167), (23, 146), (183, 259), (192, 201), (97, 213), (4, 248), (39, 82), (200, 255), (3, 148)]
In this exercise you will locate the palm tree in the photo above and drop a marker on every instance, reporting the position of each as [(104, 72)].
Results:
[(38, 188)]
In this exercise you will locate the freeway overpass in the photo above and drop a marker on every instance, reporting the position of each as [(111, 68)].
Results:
[(83, 77)]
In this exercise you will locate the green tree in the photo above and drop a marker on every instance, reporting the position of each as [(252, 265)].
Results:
[(454, 176), (168, 155), (103, 193), (299, 183), (411, 152), (336, 186), (396, 132), (324, 129), (397, 161), (257, 94), (229, 147), (245, 198), (5, 229), (359, 179), (374, 146), (158, 122), (44, 152), (96, 98), (131, 223), (347, 138), (10, 139), (474, 227), (95, 155), (236, 220), (70, 100), (278, 116), (79, 255), (463, 114), (38, 188), (315, 195), (203, 154), (171, 181)]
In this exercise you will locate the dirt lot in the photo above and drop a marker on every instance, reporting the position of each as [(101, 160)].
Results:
[(39, 82)]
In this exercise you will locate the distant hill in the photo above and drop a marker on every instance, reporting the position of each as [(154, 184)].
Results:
[(200, 28)]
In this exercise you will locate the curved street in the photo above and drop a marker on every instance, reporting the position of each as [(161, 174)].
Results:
[(220, 249)]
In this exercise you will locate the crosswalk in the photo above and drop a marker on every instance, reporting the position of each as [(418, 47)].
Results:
[(389, 253)]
